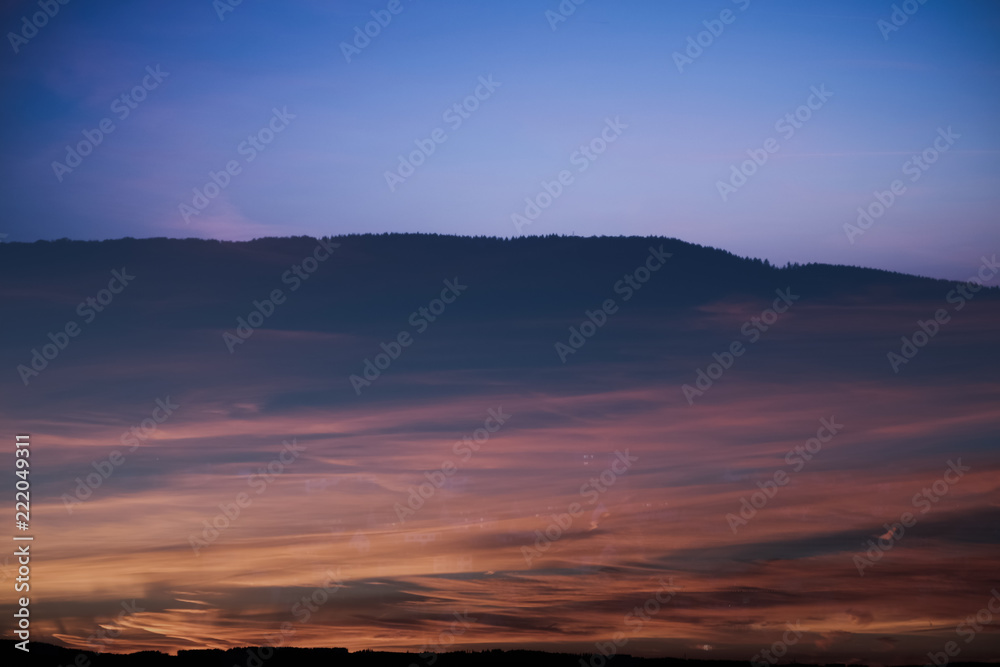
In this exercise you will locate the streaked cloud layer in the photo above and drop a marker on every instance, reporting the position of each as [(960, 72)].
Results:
[(333, 507)]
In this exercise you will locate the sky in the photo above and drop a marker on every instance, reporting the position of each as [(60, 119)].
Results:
[(668, 121), (193, 481)]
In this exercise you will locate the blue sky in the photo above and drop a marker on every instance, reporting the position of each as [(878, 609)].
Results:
[(325, 173)]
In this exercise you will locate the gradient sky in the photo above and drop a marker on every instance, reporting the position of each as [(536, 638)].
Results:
[(324, 174), (332, 509)]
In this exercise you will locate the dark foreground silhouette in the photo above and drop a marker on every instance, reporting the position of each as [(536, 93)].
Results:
[(47, 655)]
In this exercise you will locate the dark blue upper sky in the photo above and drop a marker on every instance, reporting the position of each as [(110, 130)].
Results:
[(609, 69)]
